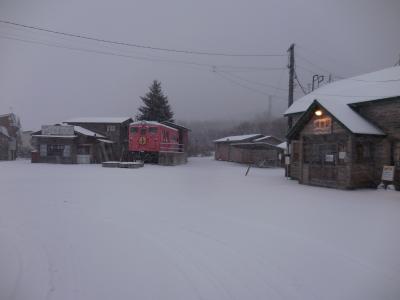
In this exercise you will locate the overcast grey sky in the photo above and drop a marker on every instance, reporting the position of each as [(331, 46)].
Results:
[(46, 84)]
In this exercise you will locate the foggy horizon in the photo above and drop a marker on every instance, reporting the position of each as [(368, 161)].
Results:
[(47, 78)]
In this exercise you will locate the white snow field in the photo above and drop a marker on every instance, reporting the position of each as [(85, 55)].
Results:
[(198, 231)]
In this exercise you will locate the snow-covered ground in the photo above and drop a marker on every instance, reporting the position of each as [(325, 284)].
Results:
[(198, 231)]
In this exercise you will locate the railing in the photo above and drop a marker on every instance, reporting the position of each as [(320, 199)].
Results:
[(171, 147)]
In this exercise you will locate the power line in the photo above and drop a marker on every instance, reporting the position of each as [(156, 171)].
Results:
[(110, 53), (243, 86), (255, 82), (86, 37), (315, 65), (298, 81)]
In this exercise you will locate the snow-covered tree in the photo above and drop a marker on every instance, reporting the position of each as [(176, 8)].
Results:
[(155, 105)]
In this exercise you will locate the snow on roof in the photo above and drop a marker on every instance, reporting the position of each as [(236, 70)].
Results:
[(4, 131), (349, 118), (99, 120), (87, 132), (106, 141), (238, 138), (371, 86), (151, 123), (282, 145), (262, 138), (54, 136)]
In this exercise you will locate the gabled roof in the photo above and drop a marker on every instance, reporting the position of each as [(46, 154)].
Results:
[(258, 146), (282, 145), (4, 131), (174, 125), (84, 131), (341, 112), (267, 137), (377, 85), (109, 120), (155, 123), (239, 138)]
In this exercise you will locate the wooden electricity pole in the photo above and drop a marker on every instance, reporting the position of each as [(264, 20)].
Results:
[(291, 82)]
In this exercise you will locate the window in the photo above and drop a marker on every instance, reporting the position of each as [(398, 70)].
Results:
[(43, 150), (55, 150), (153, 130), (165, 136), (364, 152), (83, 150), (110, 128), (67, 151), (134, 130)]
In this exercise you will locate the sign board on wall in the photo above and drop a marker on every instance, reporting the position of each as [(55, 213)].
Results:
[(59, 130), (329, 158), (322, 125), (388, 173)]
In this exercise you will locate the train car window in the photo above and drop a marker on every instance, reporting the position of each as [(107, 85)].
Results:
[(143, 131), (134, 130), (153, 130)]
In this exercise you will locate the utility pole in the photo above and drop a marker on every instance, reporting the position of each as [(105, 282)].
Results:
[(290, 102), (291, 81)]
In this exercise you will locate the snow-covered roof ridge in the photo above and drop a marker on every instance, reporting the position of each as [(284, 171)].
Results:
[(4, 131), (237, 138), (376, 85), (282, 145), (87, 132), (151, 123), (98, 120)]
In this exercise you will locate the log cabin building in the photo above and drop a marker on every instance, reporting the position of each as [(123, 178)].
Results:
[(345, 132), (114, 129), (69, 144), (252, 149), (5, 140), (12, 128)]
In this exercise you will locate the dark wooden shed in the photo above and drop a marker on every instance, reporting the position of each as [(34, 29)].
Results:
[(114, 129), (69, 144)]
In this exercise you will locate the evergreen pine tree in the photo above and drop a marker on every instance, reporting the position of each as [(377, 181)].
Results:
[(156, 106)]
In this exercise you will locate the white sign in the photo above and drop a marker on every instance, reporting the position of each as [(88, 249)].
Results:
[(329, 158), (342, 155), (287, 160), (388, 173), (60, 130)]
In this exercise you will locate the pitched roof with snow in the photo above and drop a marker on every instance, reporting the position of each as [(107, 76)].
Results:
[(4, 131), (152, 123), (377, 85), (99, 120), (343, 114), (282, 145), (84, 131), (238, 138)]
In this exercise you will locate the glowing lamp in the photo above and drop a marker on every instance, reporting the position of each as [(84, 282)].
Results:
[(318, 113)]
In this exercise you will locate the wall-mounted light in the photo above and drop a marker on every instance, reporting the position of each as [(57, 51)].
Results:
[(318, 113)]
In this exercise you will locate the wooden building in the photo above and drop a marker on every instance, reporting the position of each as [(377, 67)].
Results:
[(254, 149), (69, 144), (345, 132), (13, 127), (4, 144), (113, 128)]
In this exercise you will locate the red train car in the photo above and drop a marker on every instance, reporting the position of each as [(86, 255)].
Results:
[(148, 138)]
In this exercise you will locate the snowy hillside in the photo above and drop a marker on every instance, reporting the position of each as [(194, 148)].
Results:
[(198, 231)]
